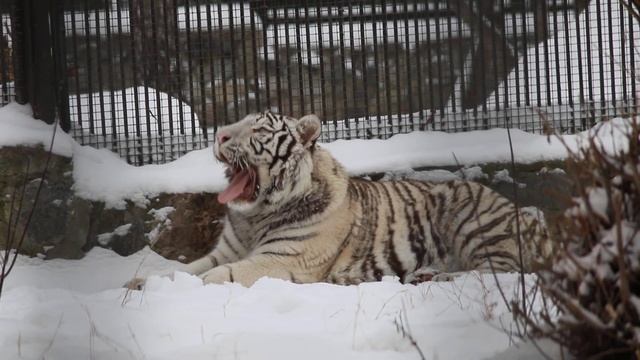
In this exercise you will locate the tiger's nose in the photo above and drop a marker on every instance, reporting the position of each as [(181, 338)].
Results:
[(223, 137)]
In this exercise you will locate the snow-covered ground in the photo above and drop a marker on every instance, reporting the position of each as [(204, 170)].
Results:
[(76, 309)]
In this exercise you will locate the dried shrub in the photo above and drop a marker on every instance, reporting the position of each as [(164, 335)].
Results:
[(591, 289)]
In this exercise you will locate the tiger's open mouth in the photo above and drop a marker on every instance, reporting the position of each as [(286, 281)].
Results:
[(243, 183)]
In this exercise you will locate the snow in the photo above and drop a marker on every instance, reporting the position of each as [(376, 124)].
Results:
[(70, 309), (198, 171), (105, 238), (18, 127), (503, 176)]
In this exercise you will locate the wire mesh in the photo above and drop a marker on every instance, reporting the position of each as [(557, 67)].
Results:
[(153, 79)]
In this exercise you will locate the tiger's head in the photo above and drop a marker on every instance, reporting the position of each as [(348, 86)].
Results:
[(268, 158)]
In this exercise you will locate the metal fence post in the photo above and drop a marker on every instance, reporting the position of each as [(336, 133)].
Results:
[(36, 65)]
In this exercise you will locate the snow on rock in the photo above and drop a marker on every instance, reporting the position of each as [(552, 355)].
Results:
[(472, 173), (503, 176), (76, 309), (105, 238)]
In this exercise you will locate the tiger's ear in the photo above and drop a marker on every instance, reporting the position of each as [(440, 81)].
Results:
[(308, 128)]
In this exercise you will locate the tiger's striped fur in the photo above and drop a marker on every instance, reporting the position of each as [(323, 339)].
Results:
[(308, 221)]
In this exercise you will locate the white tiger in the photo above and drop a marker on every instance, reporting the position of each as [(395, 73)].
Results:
[(294, 214)]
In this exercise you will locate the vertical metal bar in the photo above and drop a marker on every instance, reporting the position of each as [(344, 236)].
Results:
[(156, 150), (176, 36), (4, 67), (376, 67), (214, 97), (462, 64), (365, 83), (483, 79), (167, 69), (87, 34), (580, 69), (567, 50), (149, 114), (202, 123), (333, 73), (234, 72), (254, 46), (632, 59), (112, 99), (439, 71), (601, 59), (265, 46), (320, 27), (505, 69), (516, 48), (525, 52), (288, 61), (387, 77), (276, 49), (418, 55), (223, 68), (494, 54), (299, 58), (396, 47), (309, 67), (59, 53), (545, 18), (612, 59), (344, 73), (243, 40), (187, 11), (138, 151), (123, 83), (556, 51), (74, 42), (353, 69), (536, 40), (100, 92), (587, 15), (452, 78), (625, 97), (432, 103)]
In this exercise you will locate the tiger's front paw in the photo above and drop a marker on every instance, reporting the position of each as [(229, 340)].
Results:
[(218, 275), (135, 284)]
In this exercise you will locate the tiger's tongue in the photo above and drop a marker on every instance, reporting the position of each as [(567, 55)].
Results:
[(237, 186)]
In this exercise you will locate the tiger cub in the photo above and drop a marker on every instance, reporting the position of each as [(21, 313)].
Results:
[(294, 214)]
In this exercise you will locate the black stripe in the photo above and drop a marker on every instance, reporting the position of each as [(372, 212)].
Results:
[(277, 253), (230, 273), (482, 229), (393, 258), (226, 240), (417, 238), (472, 212), (213, 259), (495, 256), (293, 238)]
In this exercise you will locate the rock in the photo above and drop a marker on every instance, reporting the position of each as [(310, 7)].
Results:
[(76, 231), (21, 169)]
